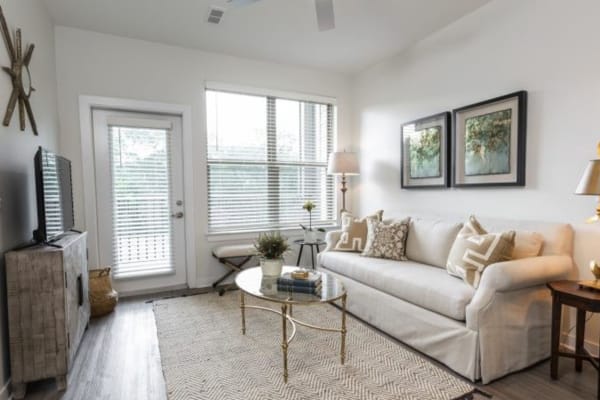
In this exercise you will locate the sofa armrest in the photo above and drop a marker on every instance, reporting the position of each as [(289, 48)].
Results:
[(526, 272), (331, 238), (512, 276)]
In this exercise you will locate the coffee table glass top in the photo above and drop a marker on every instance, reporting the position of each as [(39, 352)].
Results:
[(252, 282)]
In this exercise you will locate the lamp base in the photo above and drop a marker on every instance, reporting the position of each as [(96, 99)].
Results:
[(590, 285)]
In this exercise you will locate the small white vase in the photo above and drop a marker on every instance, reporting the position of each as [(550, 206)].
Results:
[(310, 236), (271, 267)]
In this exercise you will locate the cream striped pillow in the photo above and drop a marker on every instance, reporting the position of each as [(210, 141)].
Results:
[(474, 249)]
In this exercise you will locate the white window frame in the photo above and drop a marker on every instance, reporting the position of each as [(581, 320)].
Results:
[(280, 94), (86, 105)]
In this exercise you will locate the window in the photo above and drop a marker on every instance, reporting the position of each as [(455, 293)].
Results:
[(266, 157)]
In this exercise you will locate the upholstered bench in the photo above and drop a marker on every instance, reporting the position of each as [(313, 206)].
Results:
[(233, 257)]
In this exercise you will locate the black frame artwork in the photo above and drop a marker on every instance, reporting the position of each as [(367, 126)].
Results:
[(442, 180), (489, 153)]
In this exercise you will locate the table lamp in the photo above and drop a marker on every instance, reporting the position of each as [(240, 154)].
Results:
[(590, 185), (344, 164)]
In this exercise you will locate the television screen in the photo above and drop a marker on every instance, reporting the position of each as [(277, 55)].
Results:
[(54, 195)]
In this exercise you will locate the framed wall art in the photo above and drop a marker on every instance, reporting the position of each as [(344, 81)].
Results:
[(425, 149), (489, 142)]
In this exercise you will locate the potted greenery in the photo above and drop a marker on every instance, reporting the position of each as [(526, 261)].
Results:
[(310, 236), (271, 247)]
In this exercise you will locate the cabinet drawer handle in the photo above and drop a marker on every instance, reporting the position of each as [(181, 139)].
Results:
[(79, 290)]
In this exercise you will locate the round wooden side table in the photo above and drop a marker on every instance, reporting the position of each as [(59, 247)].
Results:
[(569, 293)]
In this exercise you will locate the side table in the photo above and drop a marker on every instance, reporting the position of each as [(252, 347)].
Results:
[(312, 245), (570, 294)]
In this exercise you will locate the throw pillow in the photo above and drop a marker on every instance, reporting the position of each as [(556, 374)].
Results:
[(354, 232), (387, 241), (474, 249), (527, 244)]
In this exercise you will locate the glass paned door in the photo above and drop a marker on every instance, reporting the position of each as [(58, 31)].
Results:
[(140, 198)]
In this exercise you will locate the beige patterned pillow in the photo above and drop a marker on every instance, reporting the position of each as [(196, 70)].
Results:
[(474, 249), (387, 241), (354, 232)]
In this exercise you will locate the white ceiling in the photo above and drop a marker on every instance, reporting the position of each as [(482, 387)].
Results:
[(282, 31)]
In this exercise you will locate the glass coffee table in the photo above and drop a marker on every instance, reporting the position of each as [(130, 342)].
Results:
[(251, 282)]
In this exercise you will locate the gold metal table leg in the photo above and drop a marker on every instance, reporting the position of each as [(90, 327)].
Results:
[(343, 349), (243, 309), (284, 342)]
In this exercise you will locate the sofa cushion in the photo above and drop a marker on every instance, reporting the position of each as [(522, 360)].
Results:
[(527, 244), (474, 249), (386, 240), (425, 286), (558, 238), (354, 231), (429, 240)]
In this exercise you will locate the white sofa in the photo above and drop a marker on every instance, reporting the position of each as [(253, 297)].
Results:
[(485, 333)]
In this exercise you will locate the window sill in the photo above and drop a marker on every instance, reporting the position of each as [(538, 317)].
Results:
[(252, 234)]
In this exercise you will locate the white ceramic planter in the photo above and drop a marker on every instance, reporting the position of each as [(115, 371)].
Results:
[(271, 267)]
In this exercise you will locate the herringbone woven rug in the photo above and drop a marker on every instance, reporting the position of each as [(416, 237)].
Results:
[(205, 356)]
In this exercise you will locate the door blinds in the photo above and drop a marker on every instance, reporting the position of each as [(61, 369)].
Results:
[(141, 198)]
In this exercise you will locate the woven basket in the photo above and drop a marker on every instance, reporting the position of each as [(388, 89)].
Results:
[(103, 298)]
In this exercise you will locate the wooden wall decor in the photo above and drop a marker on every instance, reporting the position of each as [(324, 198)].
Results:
[(20, 76)]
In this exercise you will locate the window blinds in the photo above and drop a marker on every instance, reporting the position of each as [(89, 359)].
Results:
[(266, 157), (141, 193)]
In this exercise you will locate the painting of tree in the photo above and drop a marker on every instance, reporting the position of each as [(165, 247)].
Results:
[(425, 153), (487, 143)]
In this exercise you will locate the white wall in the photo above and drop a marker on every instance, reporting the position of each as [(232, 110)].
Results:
[(18, 215), (547, 47), (102, 65)]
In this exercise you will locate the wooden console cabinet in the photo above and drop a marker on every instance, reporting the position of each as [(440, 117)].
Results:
[(48, 310)]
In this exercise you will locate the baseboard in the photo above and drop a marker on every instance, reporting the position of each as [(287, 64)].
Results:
[(568, 340), (136, 293), (5, 393)]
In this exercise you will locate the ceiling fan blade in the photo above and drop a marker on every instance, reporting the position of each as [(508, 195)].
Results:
[(325, 17), (241, 3)]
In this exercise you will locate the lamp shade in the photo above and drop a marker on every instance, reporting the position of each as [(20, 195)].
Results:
[(341, 162), (590, 182)]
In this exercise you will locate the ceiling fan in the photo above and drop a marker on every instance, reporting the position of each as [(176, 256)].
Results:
[(324, 9)]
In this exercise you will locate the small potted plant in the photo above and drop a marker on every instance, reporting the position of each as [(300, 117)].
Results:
[(310, 236), (271, 247)]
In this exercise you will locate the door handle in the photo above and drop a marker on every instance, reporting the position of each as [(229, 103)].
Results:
[(177, 215)]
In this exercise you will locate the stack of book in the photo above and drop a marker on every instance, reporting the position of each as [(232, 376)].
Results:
[(311, 284)]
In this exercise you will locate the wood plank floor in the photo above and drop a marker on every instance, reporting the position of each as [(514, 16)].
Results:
[(119, 359)]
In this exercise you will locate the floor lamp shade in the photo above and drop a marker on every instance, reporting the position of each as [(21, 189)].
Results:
[(343, 163)]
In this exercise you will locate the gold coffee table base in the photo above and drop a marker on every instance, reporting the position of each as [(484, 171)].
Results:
[(286, 315)]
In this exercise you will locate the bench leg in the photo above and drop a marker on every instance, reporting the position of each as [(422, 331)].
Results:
[(233, 269), (221, 279)]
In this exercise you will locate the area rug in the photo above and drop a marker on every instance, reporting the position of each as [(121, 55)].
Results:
[(205, 356)]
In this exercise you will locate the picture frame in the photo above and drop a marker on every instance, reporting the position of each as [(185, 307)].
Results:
[(425, 150), (489, 141)]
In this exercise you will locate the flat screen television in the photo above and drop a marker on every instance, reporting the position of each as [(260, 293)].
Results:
[(54, 196)]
